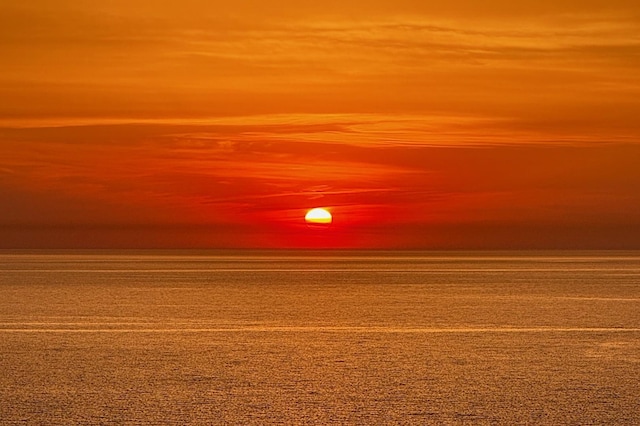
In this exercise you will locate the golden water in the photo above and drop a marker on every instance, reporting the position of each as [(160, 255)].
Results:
[(319, 338)]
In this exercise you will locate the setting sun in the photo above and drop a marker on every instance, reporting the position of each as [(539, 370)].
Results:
[(318, 216)]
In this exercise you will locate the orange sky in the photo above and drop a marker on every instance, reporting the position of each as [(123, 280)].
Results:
[(194, 123)]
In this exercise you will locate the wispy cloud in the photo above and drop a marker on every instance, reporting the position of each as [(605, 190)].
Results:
[(132, 61), (261, 166)]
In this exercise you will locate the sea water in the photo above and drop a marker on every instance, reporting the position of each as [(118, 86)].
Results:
[(328, 337)]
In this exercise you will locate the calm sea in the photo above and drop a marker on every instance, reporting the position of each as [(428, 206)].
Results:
[(319, 338)]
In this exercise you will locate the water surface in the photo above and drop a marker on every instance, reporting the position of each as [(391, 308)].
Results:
[(319, 337)]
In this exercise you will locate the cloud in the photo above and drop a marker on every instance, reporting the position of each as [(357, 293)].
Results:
[(138, 61)]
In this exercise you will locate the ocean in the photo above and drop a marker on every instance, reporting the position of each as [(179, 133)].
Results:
[(326, 337)]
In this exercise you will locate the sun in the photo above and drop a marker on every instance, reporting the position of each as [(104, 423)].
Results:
[(318, 216)]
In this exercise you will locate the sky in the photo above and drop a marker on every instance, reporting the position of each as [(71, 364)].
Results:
[(417, 124)]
